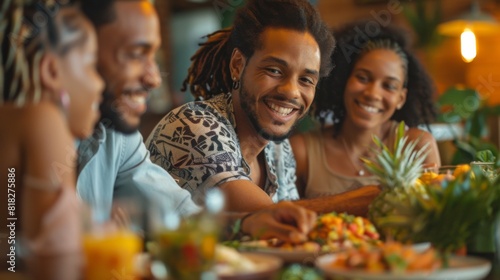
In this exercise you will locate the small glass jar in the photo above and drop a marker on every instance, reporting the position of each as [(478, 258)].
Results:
[(185, 246)]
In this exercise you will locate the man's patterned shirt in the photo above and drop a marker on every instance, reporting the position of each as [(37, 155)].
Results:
[(198, 145)]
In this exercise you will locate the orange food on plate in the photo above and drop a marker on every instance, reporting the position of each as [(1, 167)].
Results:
[(307, 246), (388, 257)]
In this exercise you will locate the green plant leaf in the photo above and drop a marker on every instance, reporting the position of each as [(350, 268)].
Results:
[(492, 110), (423, 24), (474, 126), (457, 104), (464, 154), (485, 156)]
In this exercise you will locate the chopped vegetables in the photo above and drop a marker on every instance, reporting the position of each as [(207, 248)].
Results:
[(337, 231), (332, 232)]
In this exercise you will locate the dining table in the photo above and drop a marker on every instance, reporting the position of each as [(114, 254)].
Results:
[(303, 270)]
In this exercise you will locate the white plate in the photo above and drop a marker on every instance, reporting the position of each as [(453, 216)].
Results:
[(268, 267), (289, 255), (421, 247), (286, 254), (461, 268)]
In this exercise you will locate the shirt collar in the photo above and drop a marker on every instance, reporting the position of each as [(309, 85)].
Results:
[(87, 148)]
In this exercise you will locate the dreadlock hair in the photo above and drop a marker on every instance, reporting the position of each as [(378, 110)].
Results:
[(209, 73), (354, 41), (28, 29)]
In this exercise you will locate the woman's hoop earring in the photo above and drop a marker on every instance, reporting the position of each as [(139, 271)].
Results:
[(236, 83), (64, 99)]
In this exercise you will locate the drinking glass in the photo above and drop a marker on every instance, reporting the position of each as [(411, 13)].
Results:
[(188, 252), (111, 245), (186, 245)]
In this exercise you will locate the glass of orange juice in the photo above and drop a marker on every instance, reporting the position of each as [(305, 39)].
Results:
[(111, 255), (112, 244)]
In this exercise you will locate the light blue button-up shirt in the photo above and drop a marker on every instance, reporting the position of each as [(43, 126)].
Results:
[(113, 164)]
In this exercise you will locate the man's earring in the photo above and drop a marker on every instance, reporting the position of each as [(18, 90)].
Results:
[(236, 83)]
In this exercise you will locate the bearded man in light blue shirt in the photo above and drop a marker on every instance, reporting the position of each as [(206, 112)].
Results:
[(114, 162)]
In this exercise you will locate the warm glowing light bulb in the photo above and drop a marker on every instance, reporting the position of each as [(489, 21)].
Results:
[(468, 45)]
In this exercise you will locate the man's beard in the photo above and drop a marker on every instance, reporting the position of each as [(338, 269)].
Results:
[(111, 116), (246, 102)]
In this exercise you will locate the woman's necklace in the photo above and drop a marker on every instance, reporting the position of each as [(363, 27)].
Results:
[(360, 172)]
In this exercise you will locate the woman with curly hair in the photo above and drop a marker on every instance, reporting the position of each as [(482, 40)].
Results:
[(376, 83)]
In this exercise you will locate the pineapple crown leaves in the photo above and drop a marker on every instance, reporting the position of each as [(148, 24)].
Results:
[(401, 166)]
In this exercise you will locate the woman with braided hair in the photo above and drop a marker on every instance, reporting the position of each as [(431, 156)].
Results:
[(50, 98), (376, 83)]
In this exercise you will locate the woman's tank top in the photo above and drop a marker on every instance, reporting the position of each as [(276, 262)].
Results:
[(322, 180)]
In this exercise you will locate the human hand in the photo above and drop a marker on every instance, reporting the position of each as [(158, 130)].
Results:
[(285, 221)]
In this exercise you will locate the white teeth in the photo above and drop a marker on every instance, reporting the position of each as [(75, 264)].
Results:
[(280, 110), (369, 109), (138, 99)]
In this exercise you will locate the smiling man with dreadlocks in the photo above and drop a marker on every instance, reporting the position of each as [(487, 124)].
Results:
[(254, 82)]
